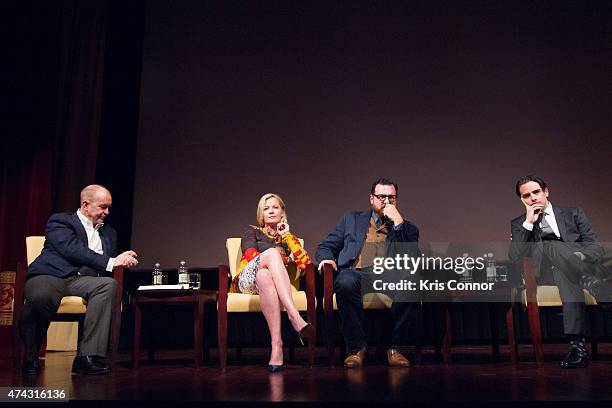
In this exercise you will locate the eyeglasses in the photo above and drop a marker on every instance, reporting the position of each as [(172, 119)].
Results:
[(382, 197)]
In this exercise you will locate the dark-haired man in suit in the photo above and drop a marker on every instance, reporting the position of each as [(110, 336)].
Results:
[(348, 249), (79, 249), (565, 249)]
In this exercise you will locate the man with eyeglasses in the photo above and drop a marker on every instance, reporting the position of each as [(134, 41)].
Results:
[(350, 249), (566, 253)]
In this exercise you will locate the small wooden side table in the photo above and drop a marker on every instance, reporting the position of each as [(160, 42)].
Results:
[(502, 299), (169, 296)]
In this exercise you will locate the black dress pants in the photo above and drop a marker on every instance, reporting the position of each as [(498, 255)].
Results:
[(567, 268), (347, 286)]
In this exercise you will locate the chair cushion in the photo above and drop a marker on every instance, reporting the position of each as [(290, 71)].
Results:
[(372, 301), (244, 302), (72, 305), (548, 296)]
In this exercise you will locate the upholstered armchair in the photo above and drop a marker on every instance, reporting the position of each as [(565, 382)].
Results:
[(72, 308), (304, 300)]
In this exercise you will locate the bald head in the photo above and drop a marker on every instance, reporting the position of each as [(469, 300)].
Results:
[(96, 201), (89, 192)]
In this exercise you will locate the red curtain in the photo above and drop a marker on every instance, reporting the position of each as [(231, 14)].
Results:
[(50, 151)]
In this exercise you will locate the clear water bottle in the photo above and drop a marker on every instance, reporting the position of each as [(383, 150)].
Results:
[(157, 274), (183, 274), (491, 268), (467, 274)]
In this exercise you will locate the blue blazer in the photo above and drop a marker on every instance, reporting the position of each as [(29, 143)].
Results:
[(344, 242), (66, 251)]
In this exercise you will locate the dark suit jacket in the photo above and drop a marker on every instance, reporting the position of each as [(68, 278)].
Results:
[(66, 250), (344, 242), (574, 227)]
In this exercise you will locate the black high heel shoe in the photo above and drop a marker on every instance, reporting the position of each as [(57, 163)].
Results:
[(305, 332), (275, 368)]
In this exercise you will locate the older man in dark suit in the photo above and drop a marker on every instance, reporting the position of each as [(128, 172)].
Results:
[(79, 249), (565, 249), (349, 248)]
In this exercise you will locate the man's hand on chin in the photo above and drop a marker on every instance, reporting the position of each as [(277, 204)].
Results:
[(390, 211), (532, 212)]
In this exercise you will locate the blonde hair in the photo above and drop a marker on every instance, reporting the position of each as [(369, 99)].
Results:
[(262, 203)]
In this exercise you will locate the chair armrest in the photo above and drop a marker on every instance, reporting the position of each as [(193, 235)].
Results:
[(224, 277), (118, 273), (328, 287), (309, 273)]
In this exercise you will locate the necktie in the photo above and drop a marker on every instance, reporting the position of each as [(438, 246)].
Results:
[(547, 235), (547, 230)]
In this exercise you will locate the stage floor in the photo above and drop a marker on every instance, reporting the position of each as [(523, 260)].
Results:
[(472, 376)]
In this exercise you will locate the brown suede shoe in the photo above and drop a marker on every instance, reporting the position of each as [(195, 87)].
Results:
[(355, 359), (396, 359)]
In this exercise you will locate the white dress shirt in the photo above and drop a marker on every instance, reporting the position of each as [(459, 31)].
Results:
[(93, 238)]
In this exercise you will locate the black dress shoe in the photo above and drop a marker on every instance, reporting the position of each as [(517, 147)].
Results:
[(30, 367), (101, 363), (307, 332), (577, 357), (89, 365)]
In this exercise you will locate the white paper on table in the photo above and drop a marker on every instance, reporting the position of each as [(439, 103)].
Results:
[(166, 287)]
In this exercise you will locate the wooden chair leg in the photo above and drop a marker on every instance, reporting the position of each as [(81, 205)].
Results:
[(312, 342), (329, 332), (115, 328), (511, 334), (311, 309), (205, 338), (328, 311), (222, 336), (136, 339), (533, 314), (224, 274), (312, 348), (114, 336)]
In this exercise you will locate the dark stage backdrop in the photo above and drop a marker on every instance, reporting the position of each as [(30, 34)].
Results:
[(315, 103)]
